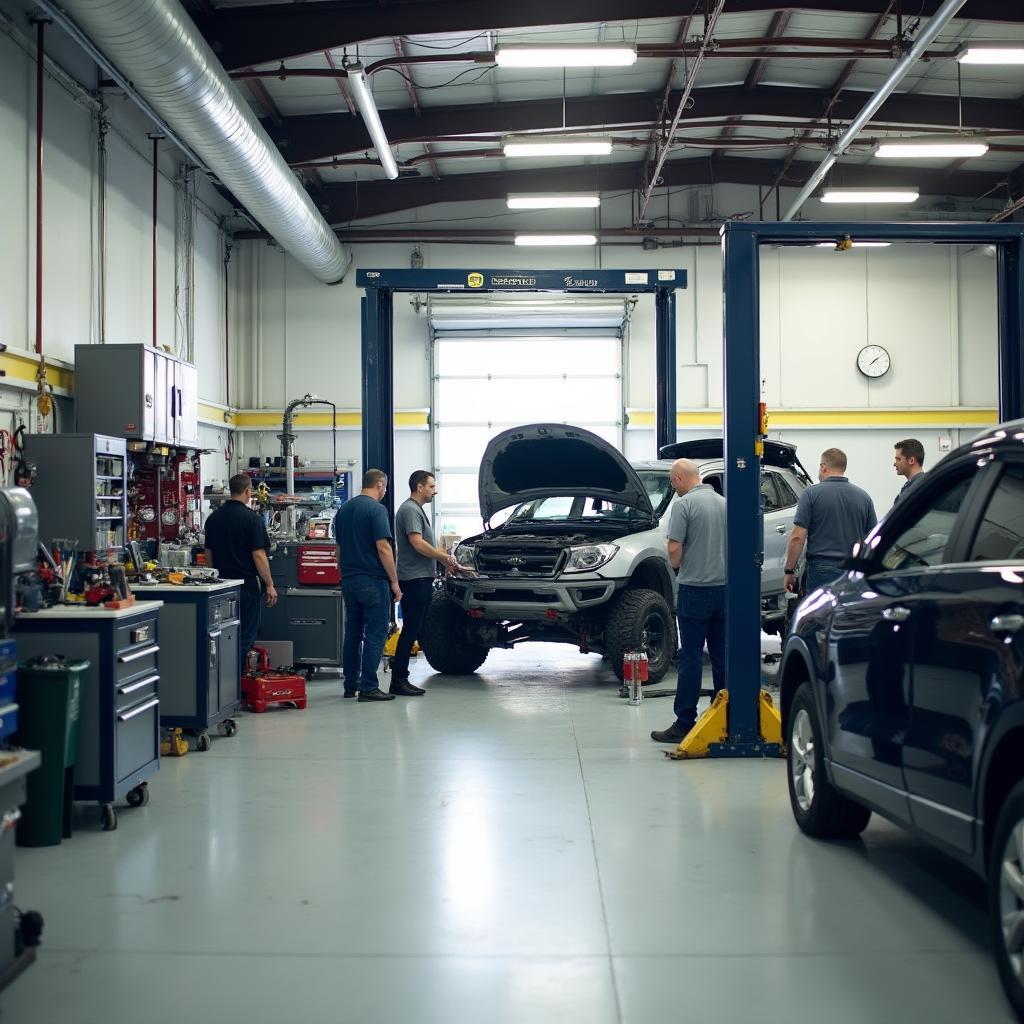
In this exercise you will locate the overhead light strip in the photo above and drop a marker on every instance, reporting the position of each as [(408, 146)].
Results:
[(371, 118), (982, 54), (569, 239), (870, 195), (553, 201), (612, 55), (931, 149), (555, 145)]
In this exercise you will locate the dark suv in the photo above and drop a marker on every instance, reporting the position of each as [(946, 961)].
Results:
[(902, 681)]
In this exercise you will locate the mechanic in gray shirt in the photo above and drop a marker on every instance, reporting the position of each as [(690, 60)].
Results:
[(909, 464), (831, 517), (417, 555), (696, 548)]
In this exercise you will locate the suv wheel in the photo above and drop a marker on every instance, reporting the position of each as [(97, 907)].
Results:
[(1006, 897), (446, 638), (641, 620), (819, 808)]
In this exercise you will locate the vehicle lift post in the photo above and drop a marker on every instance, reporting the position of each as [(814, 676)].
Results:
[(744, 711)]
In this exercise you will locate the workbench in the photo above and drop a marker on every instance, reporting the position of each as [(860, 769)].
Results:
[(119, 726), (201, 671)]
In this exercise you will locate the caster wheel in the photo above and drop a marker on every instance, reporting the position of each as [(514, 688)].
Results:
[(30, 928), (109, 817), (259, 707), (301, 705), (139, 796), (229, 727), (203, 742)]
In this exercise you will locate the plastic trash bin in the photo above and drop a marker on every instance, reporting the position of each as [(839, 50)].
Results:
[(49, 691)]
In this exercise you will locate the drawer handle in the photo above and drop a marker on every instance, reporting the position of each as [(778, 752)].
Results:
[(135, 712), (215, 633), (9, 819), (139, 685), (125, 658)]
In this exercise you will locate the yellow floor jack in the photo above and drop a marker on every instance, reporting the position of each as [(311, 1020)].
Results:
[(391, 646), (709, 736), (172, 743)]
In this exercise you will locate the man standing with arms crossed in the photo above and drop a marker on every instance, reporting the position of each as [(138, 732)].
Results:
[(696, 549), (236, 544), (417, 555), (369, 584), (831, 517)]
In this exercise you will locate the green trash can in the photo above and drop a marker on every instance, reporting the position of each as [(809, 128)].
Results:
[(49, 690)]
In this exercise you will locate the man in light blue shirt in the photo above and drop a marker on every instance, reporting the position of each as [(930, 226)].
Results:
[(696, 549)]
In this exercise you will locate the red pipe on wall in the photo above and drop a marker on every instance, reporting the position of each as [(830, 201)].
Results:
[(156, 177), (40, 81), (227, 335)]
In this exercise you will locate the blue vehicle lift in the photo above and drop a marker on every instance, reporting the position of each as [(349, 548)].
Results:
[(378, 334), (741, 244)]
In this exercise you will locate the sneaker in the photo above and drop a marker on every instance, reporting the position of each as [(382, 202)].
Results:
[(378, 694)]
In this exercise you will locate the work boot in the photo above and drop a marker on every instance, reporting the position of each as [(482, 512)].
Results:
[(378, 694), (675, 733), (403, 688), (350, 693)]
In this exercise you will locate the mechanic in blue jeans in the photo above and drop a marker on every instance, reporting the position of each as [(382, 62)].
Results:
[(369, 584), (696, 549), (831, 516)]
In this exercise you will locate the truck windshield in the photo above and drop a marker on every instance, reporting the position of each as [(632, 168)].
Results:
[(566, 508)]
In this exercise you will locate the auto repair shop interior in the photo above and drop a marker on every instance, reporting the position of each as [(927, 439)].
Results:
[(540, 254)]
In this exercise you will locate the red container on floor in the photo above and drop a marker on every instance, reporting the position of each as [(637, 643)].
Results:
[(263, 685)]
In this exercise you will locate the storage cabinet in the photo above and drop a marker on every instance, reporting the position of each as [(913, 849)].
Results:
[(80, 489), (119, 727), (201, 670), (136, 392)]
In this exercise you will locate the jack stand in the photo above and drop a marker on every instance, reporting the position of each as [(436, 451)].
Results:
[(173, 744), (709, 736)]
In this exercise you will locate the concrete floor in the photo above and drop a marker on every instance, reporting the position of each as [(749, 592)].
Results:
[(510, 848)]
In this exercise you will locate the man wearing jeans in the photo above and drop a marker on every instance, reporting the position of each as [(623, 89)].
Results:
[(414, 538), (696, 549), (369, 584), (831, 516)]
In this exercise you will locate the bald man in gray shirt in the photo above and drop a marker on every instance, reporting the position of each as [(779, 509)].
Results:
[(696, 548)]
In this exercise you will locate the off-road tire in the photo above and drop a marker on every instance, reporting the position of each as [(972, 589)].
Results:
[(445, 639), (633, 611)]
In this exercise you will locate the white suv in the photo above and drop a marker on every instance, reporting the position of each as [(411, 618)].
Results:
[(582, 557)]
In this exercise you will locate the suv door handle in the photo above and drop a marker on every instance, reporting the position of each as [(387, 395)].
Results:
[(780, 528), (896, 613), (1007, 624)]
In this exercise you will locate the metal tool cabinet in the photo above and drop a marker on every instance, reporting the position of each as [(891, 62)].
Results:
[(201, 662), (119, 726)]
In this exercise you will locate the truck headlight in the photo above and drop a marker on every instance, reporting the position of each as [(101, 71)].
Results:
[(588, 557), (465, 555)]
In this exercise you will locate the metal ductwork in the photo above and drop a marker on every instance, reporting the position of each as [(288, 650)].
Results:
[(157, 47)]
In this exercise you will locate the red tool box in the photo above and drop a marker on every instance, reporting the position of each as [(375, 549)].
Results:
[(318, 565), (263, 685)]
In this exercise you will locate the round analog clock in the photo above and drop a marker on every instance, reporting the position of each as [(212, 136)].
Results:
[(873, 361)]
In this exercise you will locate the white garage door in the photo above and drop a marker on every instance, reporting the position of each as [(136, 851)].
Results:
[(488, 381)]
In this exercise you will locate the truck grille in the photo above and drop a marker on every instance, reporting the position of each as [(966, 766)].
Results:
[(514, 561)]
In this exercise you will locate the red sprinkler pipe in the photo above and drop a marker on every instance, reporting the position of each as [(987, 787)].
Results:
[(40, 81), (227, 335), (156, 177)]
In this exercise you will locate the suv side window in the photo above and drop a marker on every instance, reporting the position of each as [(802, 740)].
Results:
[(769, 494), (786, 493), (923, 543), (1000, 535)]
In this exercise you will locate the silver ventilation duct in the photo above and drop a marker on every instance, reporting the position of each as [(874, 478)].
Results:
[(157, 47)]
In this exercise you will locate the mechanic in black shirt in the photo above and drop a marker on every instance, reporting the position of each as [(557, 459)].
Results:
[(236, 546)]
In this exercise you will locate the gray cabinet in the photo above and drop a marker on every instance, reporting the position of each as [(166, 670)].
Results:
[(136, 392), (80, 488)]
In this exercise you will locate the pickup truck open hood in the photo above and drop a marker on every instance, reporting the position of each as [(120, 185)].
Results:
[(544, 460), (776, 453)]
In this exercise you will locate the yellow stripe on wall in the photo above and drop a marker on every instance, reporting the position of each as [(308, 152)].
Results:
[(779, 419), (259, 419), (23, 366)]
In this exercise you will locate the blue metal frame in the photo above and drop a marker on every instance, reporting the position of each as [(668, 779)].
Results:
[(378, 335), (741, 244)]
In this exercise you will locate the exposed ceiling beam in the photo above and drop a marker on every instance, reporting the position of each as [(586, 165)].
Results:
[(320, 136), (343, 203), (244, 36), (414, 99)]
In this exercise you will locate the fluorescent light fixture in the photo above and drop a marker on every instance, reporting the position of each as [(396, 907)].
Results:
[(368, 110), (853, 245), (982, 54), (555, 145), (553, 201), (870, 195), (930, 148), (556, 239), (612, 55)]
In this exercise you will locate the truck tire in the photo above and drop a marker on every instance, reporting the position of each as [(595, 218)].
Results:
[(641, 620), (445, 638)]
